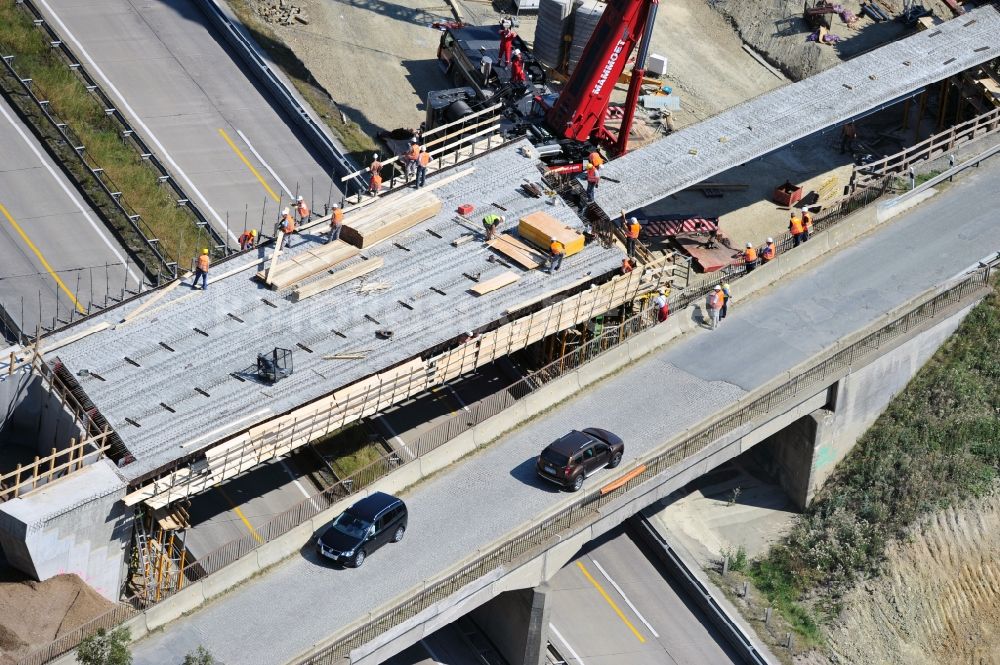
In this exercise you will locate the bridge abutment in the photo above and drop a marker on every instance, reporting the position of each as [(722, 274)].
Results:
[(517, 622)]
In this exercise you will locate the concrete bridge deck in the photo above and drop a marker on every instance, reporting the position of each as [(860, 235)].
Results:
[(493, 493)]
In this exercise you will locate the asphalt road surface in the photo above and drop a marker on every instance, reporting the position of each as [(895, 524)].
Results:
[(234, 153), (488, 495), (613, 605), (56, 255)]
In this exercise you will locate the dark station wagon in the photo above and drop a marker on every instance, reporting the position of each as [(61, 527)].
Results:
[(363, 528), (571, 458)]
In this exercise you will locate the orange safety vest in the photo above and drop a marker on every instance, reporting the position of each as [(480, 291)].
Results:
[(414, 151), (289, 224), (750, 255), (717, 299), (807, 221), (203, 262), (595, 159), (246, 238), (376, 180), (769, 252), (302, 209), (593, 175), (424, 159), (633, 230), (795, 226), (337, 217), (557, 248)]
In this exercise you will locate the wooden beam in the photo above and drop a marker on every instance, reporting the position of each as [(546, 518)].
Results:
[(525, 256), (337, 278), (494, 283), (153, 300), (274, 257), (72, 338)]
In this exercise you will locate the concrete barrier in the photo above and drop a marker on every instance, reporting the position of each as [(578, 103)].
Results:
[(279, 549), (226, 578), (174, 607), (443, 456)]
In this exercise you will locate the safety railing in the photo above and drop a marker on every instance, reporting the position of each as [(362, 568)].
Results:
[(756, 407)]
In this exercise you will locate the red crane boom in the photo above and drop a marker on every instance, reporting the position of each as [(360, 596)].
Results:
[(580, 110)]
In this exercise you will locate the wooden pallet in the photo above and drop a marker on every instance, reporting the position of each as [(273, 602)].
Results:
[(378, 222), (293, 269), (511, 247)]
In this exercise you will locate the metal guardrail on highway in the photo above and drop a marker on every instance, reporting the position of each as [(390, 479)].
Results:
[(753, 408), (248, 52)]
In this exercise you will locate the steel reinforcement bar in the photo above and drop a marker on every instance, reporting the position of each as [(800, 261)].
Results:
[(755, 407)]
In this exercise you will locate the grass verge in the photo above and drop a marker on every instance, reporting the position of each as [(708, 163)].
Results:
[(937, 444), (83, 113)]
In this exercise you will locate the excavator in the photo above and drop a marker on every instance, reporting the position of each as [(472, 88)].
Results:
[(564, 125)]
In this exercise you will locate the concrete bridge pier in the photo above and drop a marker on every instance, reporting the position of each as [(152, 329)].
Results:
[(517, 622)]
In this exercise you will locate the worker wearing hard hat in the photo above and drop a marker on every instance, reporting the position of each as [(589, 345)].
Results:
[(423, 159), (492, 224), (727, 295), (517, 73), (661, 305), (769, 252), (556, 253), (302, 210), (507, 37), (248, 239), (201, 270), (336, 223), (750, 257), (287, 225), (715, 301), (593, 174), (632, 230)]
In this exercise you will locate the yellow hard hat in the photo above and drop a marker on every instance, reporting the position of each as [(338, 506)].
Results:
[(253, 232), (204, 251)]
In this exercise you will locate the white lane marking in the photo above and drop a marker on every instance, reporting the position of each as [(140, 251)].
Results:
[(430, 652), (624, 597), (394, 436), (265, 164), (66, 190), (295, 480), (458, 399), (135, 117), (573, 654)]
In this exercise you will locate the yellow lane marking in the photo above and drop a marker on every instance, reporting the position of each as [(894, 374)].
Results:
[(611, 602), (45, 264), (239, 153), (239, 513)]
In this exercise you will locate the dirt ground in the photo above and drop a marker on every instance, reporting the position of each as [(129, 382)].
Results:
[(938, 602), (34, 613)]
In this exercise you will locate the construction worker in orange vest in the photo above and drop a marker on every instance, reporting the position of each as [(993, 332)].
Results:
[(201, 270), (715, 301), (556, 252), (593, 180), (807, 224), (423, 159), (375, 168), (248, 239), (750, 257), (769, 252), (412, 155), (795, 228), (336, 223), (632, 230), (287, 226), (627, 266), (302, 210)]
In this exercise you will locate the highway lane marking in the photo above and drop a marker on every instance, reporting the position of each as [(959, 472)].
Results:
[(256, 173), (393, 435), (266, 165), (239, 513), (135, 117), (41, 258), (624, 597), (611, 602), (295, 480), (573, 654), (67, 191)]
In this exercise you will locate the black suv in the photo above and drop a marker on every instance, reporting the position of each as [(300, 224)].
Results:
[(571, 458), (363, 528)]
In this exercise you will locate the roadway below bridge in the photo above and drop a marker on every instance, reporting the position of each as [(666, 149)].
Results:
[(488, 495), (227, 143), (57, 258)]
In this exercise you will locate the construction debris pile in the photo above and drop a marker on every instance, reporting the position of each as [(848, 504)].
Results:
[(280, 12)]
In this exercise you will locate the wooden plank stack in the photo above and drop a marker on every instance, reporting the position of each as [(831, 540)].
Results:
[(382, 220), (527, 257), (494, 283), (295, 268), (539, 228), (337, 278)]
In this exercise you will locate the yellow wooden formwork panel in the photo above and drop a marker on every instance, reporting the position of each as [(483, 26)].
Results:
[(539, 228)]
